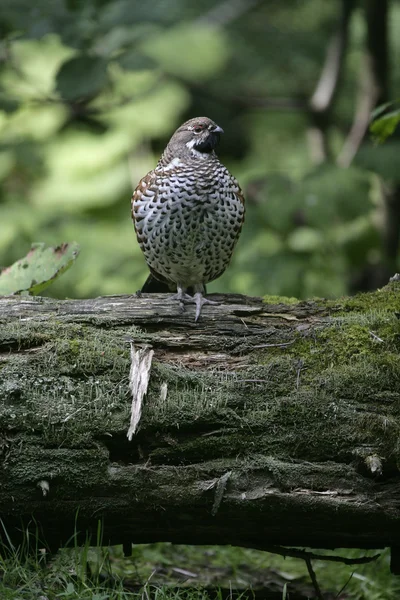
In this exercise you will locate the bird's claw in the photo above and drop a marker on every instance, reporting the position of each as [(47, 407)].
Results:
[(198, 299)]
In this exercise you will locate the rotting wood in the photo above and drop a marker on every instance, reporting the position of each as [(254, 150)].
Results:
[(264, 423)]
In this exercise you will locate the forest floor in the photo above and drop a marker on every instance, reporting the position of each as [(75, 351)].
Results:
[(166, 571)]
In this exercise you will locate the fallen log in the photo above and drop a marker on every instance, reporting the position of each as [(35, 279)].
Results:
[(270, 421)]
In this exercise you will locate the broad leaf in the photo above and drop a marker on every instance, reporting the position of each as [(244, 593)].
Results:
[(81, 77), (384, 127), (40, 267)]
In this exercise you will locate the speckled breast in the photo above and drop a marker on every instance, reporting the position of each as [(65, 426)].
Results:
[(187, 221)]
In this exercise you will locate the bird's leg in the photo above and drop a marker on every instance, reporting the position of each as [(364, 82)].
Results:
[(181, 295), (198, 298)]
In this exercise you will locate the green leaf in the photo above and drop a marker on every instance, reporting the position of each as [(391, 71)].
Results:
[(8, 104), (81, 77), (384, 127), (40, 267), (70, 588), (379, 110)]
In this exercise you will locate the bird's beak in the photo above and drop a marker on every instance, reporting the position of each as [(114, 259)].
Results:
[(217, 129)]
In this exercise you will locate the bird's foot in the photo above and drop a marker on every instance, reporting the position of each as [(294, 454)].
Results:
[(199, 300), (182, 298)]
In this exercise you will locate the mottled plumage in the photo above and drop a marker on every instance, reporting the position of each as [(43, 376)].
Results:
[(188, 212)]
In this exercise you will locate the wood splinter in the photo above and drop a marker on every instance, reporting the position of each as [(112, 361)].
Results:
[(139, 377)]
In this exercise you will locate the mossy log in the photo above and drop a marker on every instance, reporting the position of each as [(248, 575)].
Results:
[(269, 421)]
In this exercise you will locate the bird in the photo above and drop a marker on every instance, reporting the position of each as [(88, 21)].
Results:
[(188, 213)]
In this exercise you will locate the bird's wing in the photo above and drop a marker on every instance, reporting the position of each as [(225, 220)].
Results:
[(147, 193)]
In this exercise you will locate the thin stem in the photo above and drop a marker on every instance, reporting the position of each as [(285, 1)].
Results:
[(313, 578)]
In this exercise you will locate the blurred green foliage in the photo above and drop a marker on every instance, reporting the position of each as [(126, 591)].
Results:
[(90, 93)]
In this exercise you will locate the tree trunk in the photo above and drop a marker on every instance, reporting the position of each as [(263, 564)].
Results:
[(267, 422)]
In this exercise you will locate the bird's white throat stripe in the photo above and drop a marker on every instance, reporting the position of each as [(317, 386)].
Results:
[(191, 143), (195, 152), (175, 162)]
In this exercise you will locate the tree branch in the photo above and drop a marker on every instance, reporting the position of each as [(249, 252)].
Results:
[(322, 99), (373, 78), (308, 556)]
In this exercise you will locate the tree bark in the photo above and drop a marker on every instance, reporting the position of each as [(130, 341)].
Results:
[(267, 422)]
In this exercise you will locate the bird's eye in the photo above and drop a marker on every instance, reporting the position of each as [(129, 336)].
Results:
[(198, 128)]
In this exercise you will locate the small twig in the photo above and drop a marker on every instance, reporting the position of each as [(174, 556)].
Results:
[(340, 592), (378, 339), (313, 578), (274, 345), (244, 324), (184, 572), (304, 554)]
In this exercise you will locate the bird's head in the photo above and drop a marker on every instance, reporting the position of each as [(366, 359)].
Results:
[(198, 135)]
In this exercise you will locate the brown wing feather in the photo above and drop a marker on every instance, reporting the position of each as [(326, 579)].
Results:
[(146, 182), (142, 186), (155, 283)]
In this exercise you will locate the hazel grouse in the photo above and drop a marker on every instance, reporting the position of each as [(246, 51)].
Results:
[(188, 212)]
